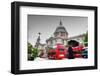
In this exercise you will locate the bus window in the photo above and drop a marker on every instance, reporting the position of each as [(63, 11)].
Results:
[(61, 50)]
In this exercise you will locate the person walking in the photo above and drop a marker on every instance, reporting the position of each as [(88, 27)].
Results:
[(70, 53)]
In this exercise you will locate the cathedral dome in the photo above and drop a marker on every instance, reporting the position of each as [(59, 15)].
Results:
[(60, 28)]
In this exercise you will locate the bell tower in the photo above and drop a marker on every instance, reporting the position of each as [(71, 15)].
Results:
[(38, 41)]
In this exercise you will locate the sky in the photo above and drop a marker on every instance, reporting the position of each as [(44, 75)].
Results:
[(47, 24)]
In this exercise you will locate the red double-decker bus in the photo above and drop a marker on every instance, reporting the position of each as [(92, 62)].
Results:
[(77, 51), (59, 52)]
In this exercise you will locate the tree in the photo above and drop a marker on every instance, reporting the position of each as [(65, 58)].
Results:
[(32, 52), (86, 39)]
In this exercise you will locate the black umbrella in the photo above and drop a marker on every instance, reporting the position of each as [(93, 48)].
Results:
[(73, 43)]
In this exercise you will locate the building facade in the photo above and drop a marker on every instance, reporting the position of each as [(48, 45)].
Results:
[(60, 36)]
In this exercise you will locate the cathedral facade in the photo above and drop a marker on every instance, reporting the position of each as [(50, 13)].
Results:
[(60, 36)]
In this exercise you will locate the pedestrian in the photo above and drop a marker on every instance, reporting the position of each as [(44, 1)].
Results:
[(70, 52)]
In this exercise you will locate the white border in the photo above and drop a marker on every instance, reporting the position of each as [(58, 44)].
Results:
[(24, 64)]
